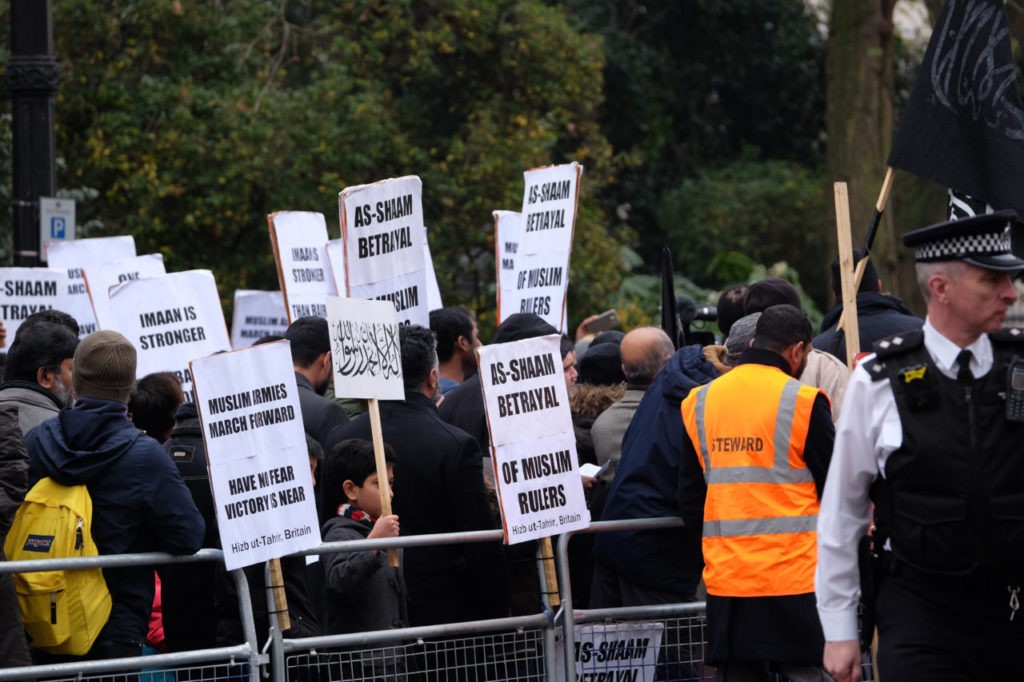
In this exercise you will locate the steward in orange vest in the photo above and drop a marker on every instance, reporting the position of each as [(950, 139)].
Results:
[(761, 443)]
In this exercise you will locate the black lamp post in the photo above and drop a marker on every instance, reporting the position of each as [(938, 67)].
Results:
[(32, 80)]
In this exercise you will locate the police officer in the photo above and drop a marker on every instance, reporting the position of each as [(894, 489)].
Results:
[(931, 434)]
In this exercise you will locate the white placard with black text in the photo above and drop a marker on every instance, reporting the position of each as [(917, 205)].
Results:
[(617, 651), (24, 291), (170, 320), (364, 349), (549, 208), (382, 229), (256, 446), (257, 314), (539, 487), (101, 276), (300, 239), (75, 256)]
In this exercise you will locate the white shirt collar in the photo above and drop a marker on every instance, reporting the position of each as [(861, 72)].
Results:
[(944, 352)]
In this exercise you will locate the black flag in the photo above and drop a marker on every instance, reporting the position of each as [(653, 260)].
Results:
[(669, 319), (964, 126)]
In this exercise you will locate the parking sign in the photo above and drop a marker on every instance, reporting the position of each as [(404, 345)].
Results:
[(56, 222)]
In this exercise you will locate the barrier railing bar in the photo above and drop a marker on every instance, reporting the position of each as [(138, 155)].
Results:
[(415, 633), (566, 616)]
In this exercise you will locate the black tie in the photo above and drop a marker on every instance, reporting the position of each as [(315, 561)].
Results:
[(964, 376)]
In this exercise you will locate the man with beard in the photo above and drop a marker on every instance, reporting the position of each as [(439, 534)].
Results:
[(38, 374), (311, 359), (439, 488)]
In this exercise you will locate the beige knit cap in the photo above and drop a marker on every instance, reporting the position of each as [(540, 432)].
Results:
[(105, 366)]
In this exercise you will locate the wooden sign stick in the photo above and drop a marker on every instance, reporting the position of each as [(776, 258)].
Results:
[(550, 573), (382, 470), (280, 600), (846, 273)]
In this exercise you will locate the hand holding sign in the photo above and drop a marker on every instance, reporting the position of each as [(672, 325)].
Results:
[(367, 364)]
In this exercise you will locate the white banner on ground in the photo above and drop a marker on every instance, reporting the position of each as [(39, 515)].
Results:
[(407, 292), (549, 208), (99, 277), (75, 256), (364, 349), (299, 239), (532, 439), (24, 291), (609, 652), (170, 320), (257, 314), (382, 229), (256, 446), (540, 285), (433, 291)]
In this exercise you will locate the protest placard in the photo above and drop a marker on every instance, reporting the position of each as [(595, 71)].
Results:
[(433, 291), (539, 488), (257, 314), (256, 448), (75, 256), (381, 229), (615, 652), (407, 292), (532, 440), (524, 389), (299, 240), (364, 349), (99, 277), (30, 290), (540, 285), (170, 319), (549, 208), (367, 362), (508, 227)]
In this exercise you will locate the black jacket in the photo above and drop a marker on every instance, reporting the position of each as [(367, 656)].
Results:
[(13, 486), (878, 316), (319, 414), (439, 488), (645, 485)]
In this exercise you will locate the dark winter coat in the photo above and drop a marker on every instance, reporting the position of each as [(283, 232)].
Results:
[(13, 485), (140, 503), (319, 414), (439, 488), (645, 485), (364, 592), (878, 316)]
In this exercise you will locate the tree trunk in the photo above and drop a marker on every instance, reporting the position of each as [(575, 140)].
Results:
[(860, 124)]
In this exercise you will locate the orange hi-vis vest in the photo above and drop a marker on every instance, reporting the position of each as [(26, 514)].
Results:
[(749, 428)]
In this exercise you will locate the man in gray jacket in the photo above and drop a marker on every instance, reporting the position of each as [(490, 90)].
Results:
[(38, 374)]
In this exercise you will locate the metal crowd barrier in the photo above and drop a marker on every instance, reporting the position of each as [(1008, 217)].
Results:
[(541, 646), (235, 663)]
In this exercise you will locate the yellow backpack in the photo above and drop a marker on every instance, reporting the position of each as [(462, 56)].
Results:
[(63, 611)]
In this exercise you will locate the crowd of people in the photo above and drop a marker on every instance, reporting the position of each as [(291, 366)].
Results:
[(779, 461)]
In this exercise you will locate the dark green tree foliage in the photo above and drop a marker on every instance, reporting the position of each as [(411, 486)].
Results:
[(196, 119), (691, 83), (752, 212)]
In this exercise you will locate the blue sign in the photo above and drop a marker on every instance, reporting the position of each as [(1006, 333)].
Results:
[(58, 225)]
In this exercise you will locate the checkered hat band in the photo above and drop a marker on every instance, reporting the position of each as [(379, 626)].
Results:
[(973, 245)]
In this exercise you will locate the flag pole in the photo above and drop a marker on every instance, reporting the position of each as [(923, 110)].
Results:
[(862, 264)]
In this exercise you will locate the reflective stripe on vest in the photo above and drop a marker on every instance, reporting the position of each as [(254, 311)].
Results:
[(780, 471), (769, 526)]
